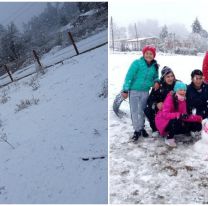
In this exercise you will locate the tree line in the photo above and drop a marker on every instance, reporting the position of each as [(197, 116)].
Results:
[(43, 32)]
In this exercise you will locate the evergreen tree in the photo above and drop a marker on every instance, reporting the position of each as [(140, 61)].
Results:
[(11, 43), (196, 26), (63, 21), (164, 32)]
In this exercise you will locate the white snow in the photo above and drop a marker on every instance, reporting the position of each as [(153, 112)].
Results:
[(89, 13), (51, 138), (149, 172), (202, 144)]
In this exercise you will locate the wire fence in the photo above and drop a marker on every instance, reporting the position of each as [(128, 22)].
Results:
[(56, 56)]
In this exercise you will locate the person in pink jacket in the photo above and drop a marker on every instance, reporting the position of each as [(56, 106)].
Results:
[(173, 118)]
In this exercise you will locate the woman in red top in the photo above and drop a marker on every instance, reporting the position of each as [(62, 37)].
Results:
[(205, 68)]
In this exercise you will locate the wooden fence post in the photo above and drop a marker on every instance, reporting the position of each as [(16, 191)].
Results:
[(37, 58), (7, 70), (38, 61), (73, 42)]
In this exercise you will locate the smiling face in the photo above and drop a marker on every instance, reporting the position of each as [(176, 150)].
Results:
[(148, 56), (169, 78), (197, 80), (182, 92)]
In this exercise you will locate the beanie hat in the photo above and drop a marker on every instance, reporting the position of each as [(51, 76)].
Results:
[(196, 72), (165, 70), (179, 86), (149, 48)]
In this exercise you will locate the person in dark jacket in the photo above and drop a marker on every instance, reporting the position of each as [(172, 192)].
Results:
[(197, 95), (156, 97)]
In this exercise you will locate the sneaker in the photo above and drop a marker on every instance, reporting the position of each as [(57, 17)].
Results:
[(170, 142), (144, 133), (155, 134), (136, 136)]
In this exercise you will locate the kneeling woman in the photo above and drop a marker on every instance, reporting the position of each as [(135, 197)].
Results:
[(173, 118)]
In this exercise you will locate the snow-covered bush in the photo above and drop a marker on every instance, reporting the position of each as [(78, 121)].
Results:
[(34, 83), (26, 103), (104, 90), (4, 97)]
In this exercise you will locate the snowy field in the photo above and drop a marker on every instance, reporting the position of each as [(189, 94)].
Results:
[(57, 127), (149, 172)]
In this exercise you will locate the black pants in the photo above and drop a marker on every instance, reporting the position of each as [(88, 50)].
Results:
[(177, 126), (150, 114)]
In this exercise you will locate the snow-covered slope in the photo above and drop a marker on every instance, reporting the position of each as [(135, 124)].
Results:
[(60, 139), (149, 172), (58, 54)]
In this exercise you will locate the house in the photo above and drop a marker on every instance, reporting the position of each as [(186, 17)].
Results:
[(135, 44)]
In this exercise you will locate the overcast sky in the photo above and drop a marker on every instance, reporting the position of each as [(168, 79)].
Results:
[(167, 12), (19, 12)]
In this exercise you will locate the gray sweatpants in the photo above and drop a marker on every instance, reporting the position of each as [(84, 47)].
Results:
[(138, 101)]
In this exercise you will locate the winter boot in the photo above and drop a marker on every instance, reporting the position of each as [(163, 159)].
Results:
[(144, 133), (136, 136)]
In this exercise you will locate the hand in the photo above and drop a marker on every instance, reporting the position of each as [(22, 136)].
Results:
[(184, 116), (159, 106), (156, 86), (124, 95)]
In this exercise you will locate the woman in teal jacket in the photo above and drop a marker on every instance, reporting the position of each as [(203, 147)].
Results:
[(141, 76)]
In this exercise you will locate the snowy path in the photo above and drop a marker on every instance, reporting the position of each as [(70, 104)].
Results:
[(149, 172), (51, 139)]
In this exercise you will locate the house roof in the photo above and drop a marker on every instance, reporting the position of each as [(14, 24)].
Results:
[(141, 39), (89, 13), (136, 39)]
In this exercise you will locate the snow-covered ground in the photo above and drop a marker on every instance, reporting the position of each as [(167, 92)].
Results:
[(149, 172), (57, 124)]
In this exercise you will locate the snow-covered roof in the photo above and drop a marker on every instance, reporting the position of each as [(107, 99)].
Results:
[(136, 39), (141, 39), (89, 13), (66, 27)]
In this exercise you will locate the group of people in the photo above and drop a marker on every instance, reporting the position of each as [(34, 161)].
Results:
[(172, 107)]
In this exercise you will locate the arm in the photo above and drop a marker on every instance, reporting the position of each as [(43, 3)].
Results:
[(131, 75), (193, 118)]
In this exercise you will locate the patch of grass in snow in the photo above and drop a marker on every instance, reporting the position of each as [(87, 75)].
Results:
[(33, 82), (26, 103), (3, 138), (104, 89), (96, 132), (4, 96)]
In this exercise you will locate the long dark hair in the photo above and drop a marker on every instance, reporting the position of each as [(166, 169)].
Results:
[(175, 101)]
